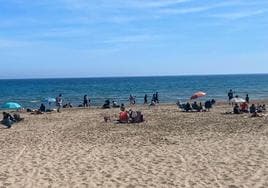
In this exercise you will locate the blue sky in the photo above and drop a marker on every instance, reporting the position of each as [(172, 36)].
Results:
[(88, 38)]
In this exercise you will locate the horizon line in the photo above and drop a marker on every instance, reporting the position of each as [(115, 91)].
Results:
[(135, 76)]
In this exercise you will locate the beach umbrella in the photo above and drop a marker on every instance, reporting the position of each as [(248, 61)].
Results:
[(49, 100), (238, 100), (198, 94), (11, 105)]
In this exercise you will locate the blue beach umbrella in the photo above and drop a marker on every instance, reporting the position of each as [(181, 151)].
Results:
[(11, 105)]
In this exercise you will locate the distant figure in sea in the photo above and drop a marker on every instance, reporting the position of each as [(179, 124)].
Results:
[(145, 99), (247, 98), (236, 109), (230, 95), (59, 102)]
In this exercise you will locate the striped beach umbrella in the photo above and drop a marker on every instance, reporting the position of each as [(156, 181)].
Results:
[(198, 94)]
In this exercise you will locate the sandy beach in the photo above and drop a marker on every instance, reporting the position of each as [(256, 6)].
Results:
[(76, 148)]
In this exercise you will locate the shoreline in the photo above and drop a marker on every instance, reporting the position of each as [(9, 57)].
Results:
[(218, 103)]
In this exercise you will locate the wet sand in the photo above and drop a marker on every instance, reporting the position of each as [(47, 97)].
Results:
[(76, 148)]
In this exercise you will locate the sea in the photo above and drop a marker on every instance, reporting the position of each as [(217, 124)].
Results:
[(31, 92)]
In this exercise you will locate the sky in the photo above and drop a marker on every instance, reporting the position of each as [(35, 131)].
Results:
[(99, 38)]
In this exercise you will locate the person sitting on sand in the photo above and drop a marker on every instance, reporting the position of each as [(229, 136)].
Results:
[(263, 108), (17, 117), (244, 107), (122, 107), (195, 106), (259, 108), (178, 103), (115, 105), (135, 116), (208, 105), (68, 105), (153, 103), (200, 106), (236, 109), (252, 109), (188, 107), (123, 117), (106, 104), (213, 101), (8, 120), (42, 108)]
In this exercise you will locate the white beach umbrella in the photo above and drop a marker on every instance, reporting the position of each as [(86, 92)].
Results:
[(238, 100)]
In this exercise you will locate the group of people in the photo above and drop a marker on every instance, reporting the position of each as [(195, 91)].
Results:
[(130, 116), (107, 104), (231, 96), (196, 107), (253, 109), (8, 120), (244, 106)]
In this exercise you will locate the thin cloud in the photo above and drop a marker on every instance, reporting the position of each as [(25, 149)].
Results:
[(84, 4), (239, 15), (132, 39), (203, 8)]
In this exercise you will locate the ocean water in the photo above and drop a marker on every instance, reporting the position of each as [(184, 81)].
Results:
[(30, 92)]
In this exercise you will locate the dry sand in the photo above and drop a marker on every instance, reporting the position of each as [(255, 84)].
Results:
[(76, 148)]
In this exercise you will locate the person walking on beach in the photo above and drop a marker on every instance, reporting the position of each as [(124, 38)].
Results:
[(156, 97), (145, 99), (132, 100), (59, 102), (247, 98), (86, 101)]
